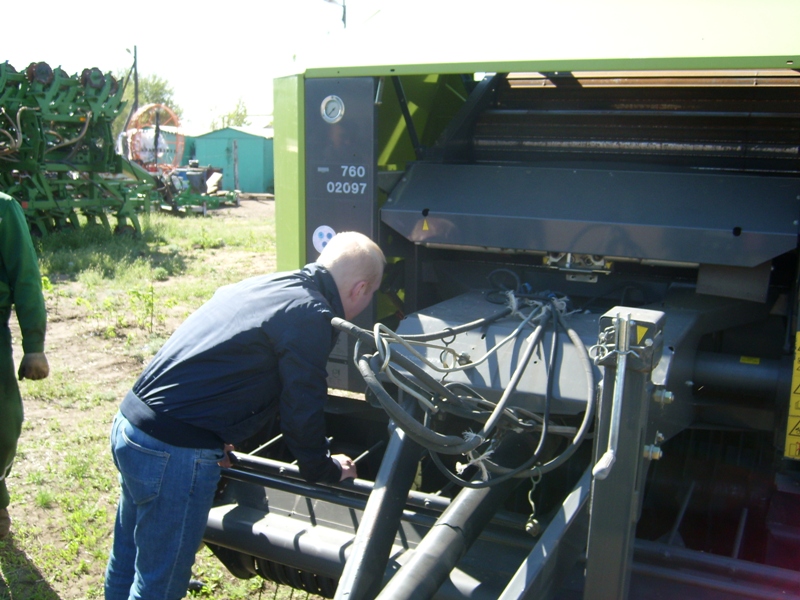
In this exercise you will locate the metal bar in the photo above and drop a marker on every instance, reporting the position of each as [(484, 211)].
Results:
[(499, 535), (369, 451), (645, 113), (616, 500), (603, 466), (684, 505), (714, 565), (558, 549), (412, 131), (286, 477), (449, 540), (454, 142), (364, 570), (617, 146), (268, 444)]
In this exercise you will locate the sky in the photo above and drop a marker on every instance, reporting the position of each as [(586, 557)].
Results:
[(212, 54)]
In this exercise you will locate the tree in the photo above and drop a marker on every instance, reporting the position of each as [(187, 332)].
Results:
[(236, 118), (152, 90)]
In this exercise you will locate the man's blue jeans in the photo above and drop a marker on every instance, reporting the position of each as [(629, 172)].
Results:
[(167, 492)]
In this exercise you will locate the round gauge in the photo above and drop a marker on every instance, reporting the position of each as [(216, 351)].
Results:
[(332, 109)]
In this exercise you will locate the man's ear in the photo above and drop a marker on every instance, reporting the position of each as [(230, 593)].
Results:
[(359, 289)]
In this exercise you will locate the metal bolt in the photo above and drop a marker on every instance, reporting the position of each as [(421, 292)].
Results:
[(653, 452), (659, 438), (663, 396), (532, 527)]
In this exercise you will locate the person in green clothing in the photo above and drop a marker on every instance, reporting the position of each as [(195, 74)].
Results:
[(20, 286)]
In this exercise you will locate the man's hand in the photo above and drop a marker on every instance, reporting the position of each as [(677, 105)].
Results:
[(348, 466), (33, 366), (226, 463)]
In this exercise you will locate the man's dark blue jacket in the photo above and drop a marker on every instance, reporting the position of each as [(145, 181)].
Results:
[(256, 347)]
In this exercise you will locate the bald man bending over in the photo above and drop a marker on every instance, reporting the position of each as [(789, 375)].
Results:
[(256, 349)]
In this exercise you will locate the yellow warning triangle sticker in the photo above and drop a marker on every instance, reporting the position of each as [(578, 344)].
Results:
[(425, 225), (640, 332)]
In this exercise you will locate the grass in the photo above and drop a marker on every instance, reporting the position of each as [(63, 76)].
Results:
[(112, 302)]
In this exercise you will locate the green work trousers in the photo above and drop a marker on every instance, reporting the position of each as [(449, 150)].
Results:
[(10, 410)]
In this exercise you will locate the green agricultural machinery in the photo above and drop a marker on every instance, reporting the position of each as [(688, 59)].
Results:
[(57, 153), (580, 378), (58, 157)]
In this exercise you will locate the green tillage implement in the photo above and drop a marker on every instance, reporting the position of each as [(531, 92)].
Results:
[(57, 153)]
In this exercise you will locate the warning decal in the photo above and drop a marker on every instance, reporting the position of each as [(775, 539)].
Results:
[(792, 448)]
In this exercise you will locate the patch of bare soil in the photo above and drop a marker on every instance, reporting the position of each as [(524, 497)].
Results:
[(78, 356), (73, 345)]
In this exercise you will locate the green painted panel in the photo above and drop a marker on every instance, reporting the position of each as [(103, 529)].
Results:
[(290, 190), (549, 66), (433, 100)]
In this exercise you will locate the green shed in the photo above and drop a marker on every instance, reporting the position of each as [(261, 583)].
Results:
[(244, 155)]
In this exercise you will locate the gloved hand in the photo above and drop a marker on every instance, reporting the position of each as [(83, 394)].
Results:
[(33, 366)]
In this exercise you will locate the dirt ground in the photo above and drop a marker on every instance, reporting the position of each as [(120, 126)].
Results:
[(69, 334), (78, 355)]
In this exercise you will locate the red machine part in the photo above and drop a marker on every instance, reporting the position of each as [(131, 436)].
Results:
[(147, 122)]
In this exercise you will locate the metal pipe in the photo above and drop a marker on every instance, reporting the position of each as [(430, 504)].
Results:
[(502, 519), (733, 149), (558, 549), (369, 451), (737, 374), (715, 566), (267, 444), (412, 131), (450, 539), (369, 554), (645, 113), (286, 477)]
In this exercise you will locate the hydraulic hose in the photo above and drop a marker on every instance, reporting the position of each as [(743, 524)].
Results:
[(364, 336), (446, 444), (438, 335), (437, 443), (588, 414)]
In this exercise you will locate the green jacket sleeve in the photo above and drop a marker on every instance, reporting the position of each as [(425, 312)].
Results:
[(20, 281)]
